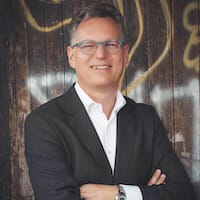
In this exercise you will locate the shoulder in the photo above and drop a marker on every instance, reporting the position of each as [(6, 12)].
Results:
[(140, 112), (55, 107), (138, 107), (143, 115), (50, 105)]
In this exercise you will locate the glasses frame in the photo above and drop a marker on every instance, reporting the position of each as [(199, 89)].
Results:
[(121, 43)]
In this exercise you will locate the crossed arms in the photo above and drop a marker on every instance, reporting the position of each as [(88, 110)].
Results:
[(108, 192)]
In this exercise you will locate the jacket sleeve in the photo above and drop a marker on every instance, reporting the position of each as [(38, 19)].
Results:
[(178, 185), (49, 166)]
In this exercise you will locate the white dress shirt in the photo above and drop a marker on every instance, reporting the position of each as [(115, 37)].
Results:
[(107, 132)]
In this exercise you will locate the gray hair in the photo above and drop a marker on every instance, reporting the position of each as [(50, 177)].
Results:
[(97, 10)]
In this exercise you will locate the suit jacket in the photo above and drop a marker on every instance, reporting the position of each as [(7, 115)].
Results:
[(63, 151)]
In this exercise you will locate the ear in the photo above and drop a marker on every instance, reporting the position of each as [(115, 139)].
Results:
[(70, 55), (126, 54)]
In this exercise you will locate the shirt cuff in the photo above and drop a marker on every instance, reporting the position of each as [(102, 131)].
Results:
[(132, 192)]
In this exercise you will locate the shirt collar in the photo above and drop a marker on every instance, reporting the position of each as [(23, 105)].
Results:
[(88, 102)]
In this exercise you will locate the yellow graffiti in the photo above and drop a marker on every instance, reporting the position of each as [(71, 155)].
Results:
[(193, 40), (139, 38), (52, 1), (56, 1), (35, 24), (120, 6), (141, 30), (170, 33)]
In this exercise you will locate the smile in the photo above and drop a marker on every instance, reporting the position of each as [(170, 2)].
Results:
[(100, 66)]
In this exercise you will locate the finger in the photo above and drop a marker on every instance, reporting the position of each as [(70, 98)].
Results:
[(85, 195), (161, 180), (155, 177), (87, 191), (84, 191)]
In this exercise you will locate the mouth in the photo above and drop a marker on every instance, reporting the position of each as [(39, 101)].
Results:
[(99, 67)]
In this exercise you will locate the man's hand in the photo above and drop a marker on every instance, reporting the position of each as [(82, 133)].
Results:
[(98, 192), (157, 178)]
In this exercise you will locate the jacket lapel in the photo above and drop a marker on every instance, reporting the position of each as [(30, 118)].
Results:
[(125, 141), (84, 129)]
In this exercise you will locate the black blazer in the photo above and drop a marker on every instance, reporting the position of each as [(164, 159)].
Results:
[(63, 151)]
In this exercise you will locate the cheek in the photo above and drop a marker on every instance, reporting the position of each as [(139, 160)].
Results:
[(119, 61), (81, 60)]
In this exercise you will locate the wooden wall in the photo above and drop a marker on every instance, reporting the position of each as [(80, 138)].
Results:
[(163, 70)]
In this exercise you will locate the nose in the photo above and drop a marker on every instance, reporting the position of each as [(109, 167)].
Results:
[(100, 51)]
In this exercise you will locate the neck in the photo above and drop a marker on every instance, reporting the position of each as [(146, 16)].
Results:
[(105, 97), (107, 101)]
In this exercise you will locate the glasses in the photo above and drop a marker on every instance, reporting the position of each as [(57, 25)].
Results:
[(89, 47)]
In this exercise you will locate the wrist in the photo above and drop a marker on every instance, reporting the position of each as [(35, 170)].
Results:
[(121, 195)]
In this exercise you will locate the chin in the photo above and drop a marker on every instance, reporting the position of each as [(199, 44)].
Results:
[(106, 85)]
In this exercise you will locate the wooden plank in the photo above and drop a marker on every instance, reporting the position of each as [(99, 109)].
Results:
[(159, 38), (37, 55), (69, 8), (136, 19), (54, 51), (19, 102), (186, 87), (196, 122), (5, 165)]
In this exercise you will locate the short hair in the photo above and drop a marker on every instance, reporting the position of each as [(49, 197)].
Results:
[(97, 10)]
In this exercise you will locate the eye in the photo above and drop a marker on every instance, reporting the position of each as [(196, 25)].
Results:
[(88, 45), (112, 44)]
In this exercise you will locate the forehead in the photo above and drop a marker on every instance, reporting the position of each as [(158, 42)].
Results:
[(98, 29)]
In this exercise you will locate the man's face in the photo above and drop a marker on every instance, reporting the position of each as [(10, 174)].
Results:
[(100, 69)]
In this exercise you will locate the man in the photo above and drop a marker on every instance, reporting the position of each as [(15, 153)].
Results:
[(93, 143)]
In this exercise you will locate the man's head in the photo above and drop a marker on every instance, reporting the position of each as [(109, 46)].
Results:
[(98, 52)]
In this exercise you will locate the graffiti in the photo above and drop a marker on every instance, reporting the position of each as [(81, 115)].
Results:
[(191, 91), (32, 21), (138, 40), (39, 84), (194, 39), (170, 33), (52, 1), (161, 96), (178, 137)]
